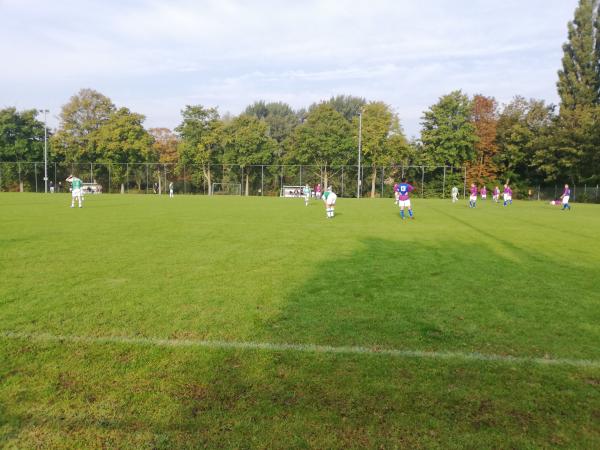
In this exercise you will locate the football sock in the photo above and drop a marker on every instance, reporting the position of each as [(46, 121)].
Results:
[(402, 214), (410, 213)]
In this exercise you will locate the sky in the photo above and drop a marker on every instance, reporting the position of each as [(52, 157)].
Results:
[(155, 57)]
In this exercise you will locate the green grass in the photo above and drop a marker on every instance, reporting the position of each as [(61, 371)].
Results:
[(521, 281)]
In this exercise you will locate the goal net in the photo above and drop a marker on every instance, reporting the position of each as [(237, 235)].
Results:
[(227, 189), (292, 191)]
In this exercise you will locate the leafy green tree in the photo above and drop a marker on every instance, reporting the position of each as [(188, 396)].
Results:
[(383, 141), (201, 138), (347, 105), (280, 118), (80, 119), (165, 145), (522, 131), (21, 135), (579, 79), (122, 139), (247, 142), (325, 138), (448, 134)]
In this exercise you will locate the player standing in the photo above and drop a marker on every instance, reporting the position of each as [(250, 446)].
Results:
[(404, 190), (171, 190), (454, 194), (496, 194), (483, 193), (318, 191), (306, 192), (565, 198), (507, 195), (329, 197), (473, 196), (76, 185)]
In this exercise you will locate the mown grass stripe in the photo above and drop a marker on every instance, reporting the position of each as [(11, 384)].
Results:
[(305, 348)]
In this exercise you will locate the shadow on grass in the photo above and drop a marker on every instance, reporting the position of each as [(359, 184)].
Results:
[(451, 296)]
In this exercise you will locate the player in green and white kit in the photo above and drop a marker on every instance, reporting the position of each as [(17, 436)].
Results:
[(76, 185), (306, 193), (171, 189), (329, 197)]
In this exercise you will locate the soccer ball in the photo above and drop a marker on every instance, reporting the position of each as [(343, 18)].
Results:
[(553, 203)]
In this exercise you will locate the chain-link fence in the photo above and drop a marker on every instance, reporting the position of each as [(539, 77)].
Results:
[(262, 180)]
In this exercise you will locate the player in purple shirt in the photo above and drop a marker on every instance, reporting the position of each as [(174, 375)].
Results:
[(565, 198), (473, 197), (507, 195), (496, 194), (483, 192), (404, 189)]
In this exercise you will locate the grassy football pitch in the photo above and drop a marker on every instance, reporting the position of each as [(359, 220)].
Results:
[(228, 322)]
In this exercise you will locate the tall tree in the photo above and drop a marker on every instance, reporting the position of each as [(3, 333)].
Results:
[(485, 119), (325, 138), (522, 131), (347, 105), (21, 135), (80, 118), (579, 79), (165, 145), (247, 142), (280, 117), (448, 134), (382, 138), (122, 139), (201, 133)]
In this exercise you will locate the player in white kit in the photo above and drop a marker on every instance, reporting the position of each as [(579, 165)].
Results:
[(76, 185), (329, 197), (306, 194), (171, 189)]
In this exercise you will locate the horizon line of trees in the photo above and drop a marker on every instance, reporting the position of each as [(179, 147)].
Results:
[(526, 140)]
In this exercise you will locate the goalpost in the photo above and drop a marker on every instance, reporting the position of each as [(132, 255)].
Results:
[(293, 191), (226, 189)]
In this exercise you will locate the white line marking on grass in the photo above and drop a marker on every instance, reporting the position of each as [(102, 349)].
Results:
[(304, 348)]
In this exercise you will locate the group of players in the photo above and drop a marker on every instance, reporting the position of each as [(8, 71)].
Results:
[(401, 195)]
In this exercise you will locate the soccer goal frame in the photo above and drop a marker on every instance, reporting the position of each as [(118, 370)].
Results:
[(226, 189), (293, 192)]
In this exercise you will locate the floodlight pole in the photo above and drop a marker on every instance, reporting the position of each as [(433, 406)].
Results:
[(359, 153), (45, 111)]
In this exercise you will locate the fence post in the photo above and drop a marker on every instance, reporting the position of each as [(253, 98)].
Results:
[(342, 181), (0, 177), (597, 192), (184, 192), (91, 172), (146, 178), (444, 184), (300, 174), (35, 175), (382, 178), (20, 181), (422, 181), (55, 186), (465, 184), (538, 193), (262, 180), (109, 171)]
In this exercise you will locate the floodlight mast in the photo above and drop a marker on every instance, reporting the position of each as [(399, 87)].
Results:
[(45, 111), (358, 180)]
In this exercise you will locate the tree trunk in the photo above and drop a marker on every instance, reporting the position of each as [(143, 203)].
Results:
[(373, 180), (159, 184), (206, 171), (325, 177), (247, 185), (122, 188)]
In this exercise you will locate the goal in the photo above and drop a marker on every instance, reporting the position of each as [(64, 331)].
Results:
[(292, 191), (226, 189)]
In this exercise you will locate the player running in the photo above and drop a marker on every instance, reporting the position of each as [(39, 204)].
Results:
[(76, 185), (454, 194), (483, 193), (507, 195), (473, 197), (404, 190), (318, 191), (565, 198), (306, 193), (329, 197), (496, 194)]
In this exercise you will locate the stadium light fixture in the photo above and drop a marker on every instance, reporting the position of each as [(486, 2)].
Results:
[(45, 111)]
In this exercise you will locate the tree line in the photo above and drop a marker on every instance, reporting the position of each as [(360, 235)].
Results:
[(526, 140)]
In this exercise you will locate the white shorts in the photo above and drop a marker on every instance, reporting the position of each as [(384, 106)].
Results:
[(565, 200), (483, 196), (76, 193), (455, 195), (404, 203), (473, 198), (330, 204), (507, 197)]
